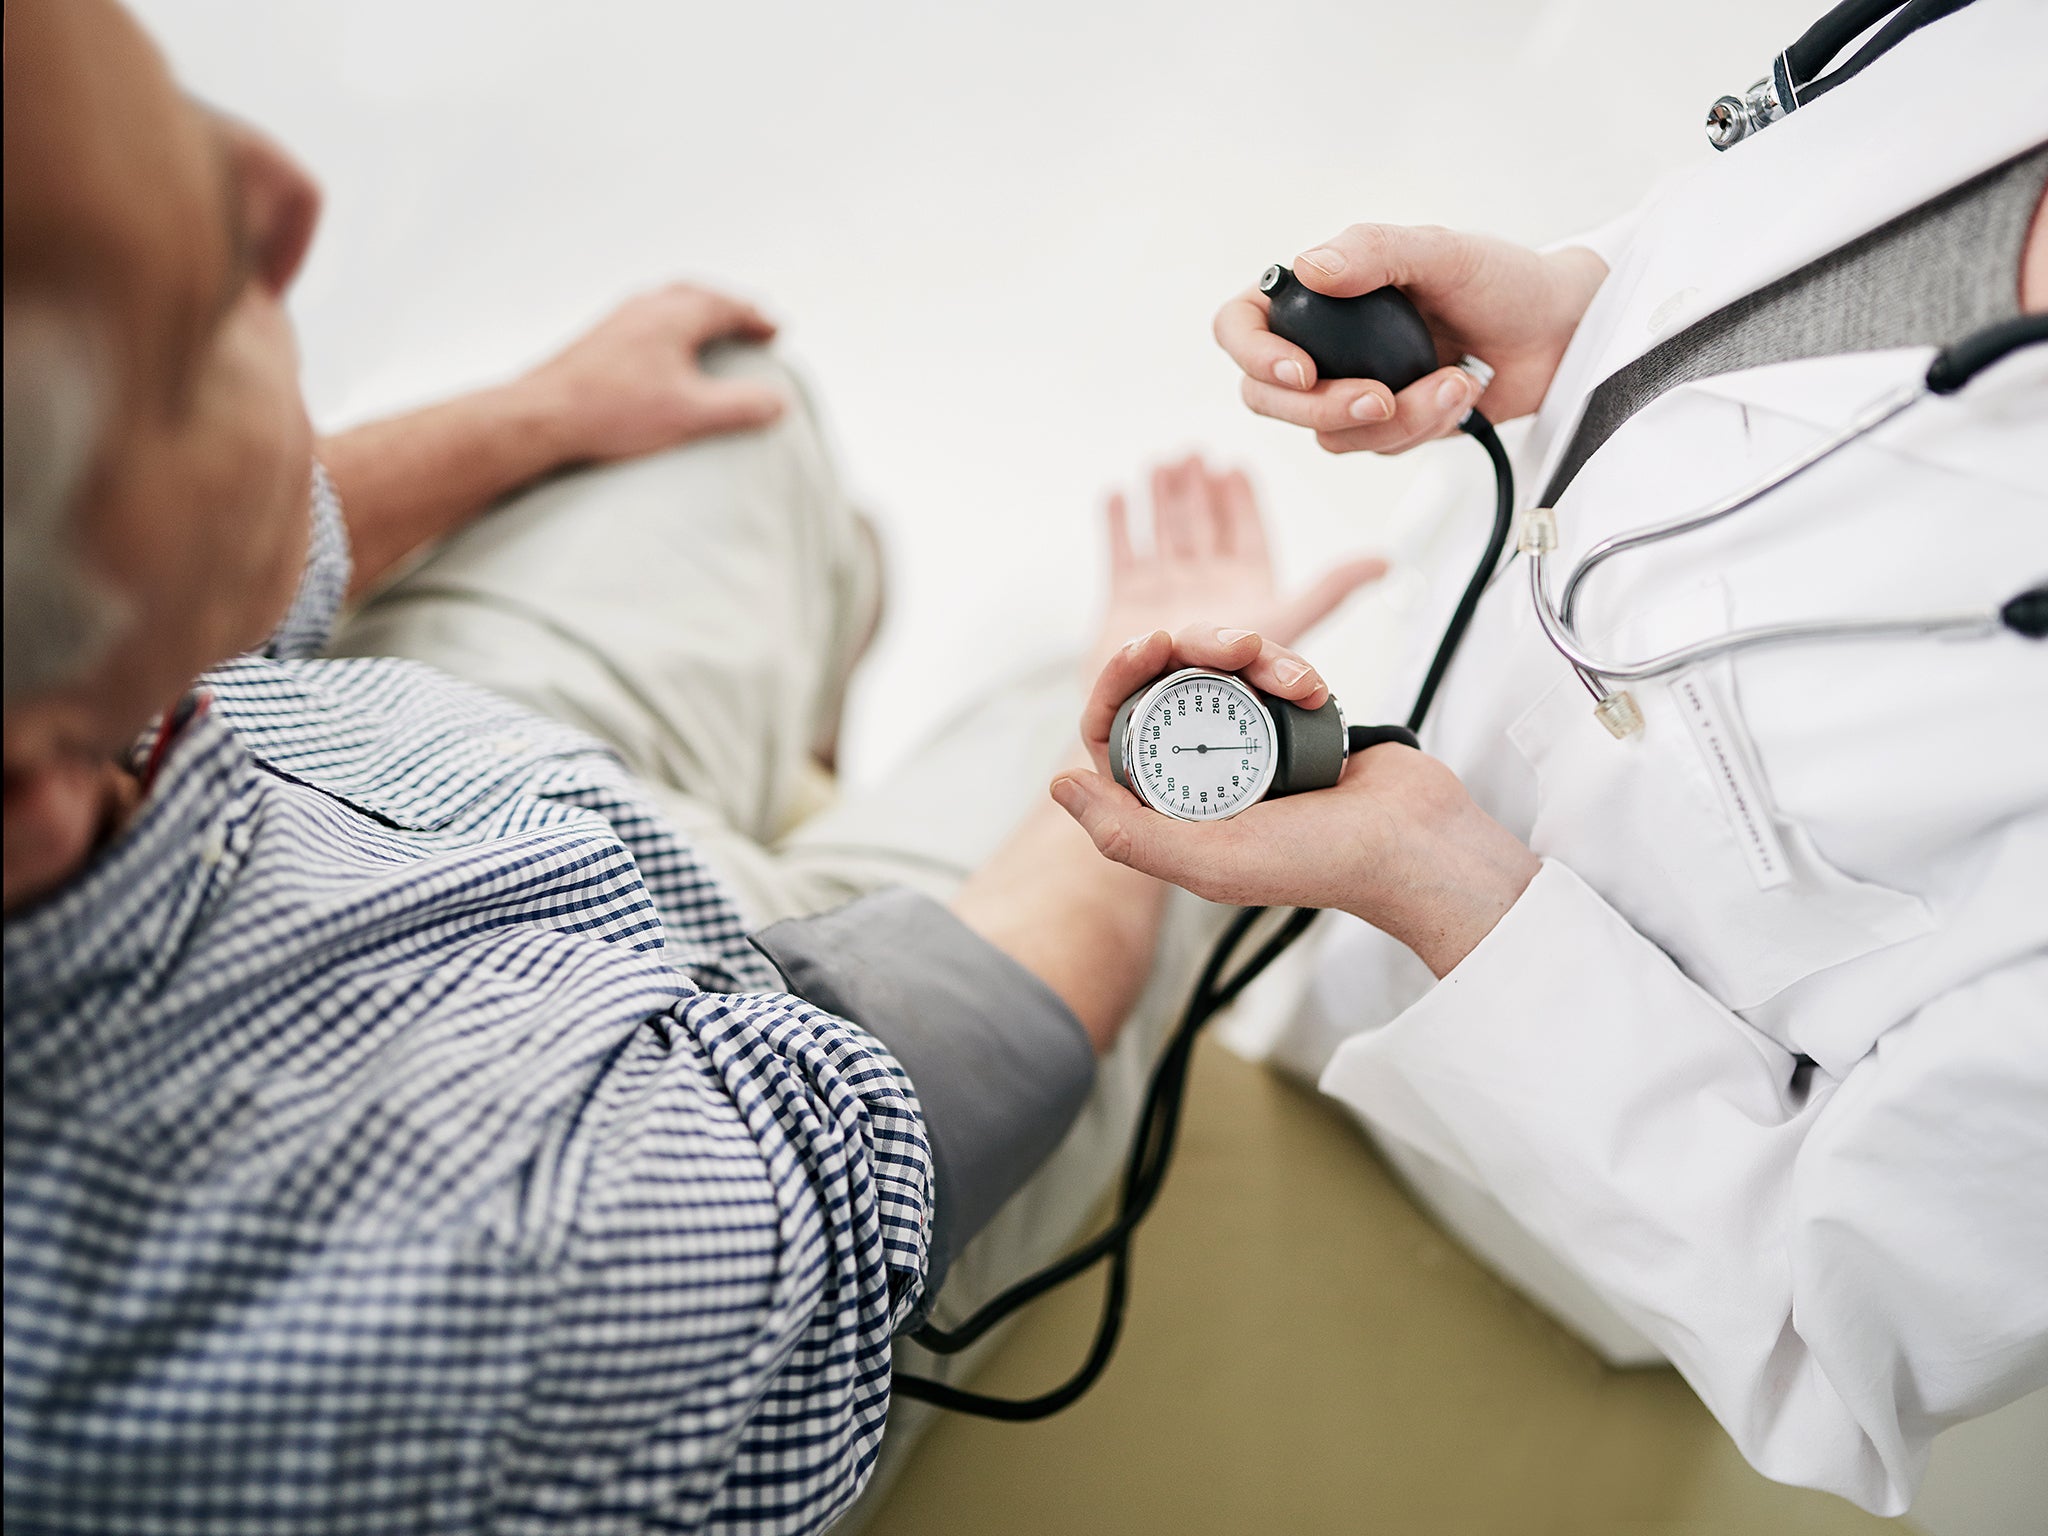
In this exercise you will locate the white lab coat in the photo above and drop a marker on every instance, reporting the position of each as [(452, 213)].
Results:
[(1846, 860)]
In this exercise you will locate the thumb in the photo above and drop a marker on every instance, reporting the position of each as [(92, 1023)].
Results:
[(1369, 256), (1123, 831), (732, 405), (1307, 608)]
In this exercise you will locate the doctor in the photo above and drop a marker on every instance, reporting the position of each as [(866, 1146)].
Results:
[(1744, 1016)]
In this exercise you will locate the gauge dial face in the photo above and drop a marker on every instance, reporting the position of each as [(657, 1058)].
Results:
[(1199, 746)]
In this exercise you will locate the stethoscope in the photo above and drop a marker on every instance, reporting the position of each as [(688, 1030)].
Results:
[(1953, 367), (1796, 80)]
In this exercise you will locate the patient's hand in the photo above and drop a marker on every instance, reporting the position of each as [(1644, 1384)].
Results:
[(1207, 558), (1510, 306), (1083, 925), (632, 385)]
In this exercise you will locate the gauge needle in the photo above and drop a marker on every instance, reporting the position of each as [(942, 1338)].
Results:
[(1239, 746)]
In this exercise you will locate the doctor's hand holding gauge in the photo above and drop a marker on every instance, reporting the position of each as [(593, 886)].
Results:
[(1728, 837)]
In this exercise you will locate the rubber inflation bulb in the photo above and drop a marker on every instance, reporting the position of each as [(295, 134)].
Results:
[(1378, 335)]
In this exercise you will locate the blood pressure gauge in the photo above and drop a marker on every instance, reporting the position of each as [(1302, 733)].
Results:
[(1202, 746)]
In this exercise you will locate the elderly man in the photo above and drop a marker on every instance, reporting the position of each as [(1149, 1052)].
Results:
[(402, 1130)]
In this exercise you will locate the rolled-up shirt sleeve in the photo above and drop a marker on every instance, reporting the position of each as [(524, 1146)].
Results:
[(323, 585), (1000, 1065), (718, 1236)]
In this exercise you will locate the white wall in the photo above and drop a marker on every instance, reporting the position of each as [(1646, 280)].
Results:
[(996, 233)]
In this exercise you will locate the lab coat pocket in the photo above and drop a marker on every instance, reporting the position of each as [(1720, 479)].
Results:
[(1676, 829)]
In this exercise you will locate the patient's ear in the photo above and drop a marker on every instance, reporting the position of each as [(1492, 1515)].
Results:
[(60, 804)]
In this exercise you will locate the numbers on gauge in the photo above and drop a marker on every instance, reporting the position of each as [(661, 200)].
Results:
[(1186, 741)]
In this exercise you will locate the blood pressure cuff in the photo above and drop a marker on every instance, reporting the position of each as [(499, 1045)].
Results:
[(1000, 1064)]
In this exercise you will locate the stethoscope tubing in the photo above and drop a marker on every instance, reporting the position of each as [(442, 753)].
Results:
[(1558, 620), (1866, 421), (1606, 670)]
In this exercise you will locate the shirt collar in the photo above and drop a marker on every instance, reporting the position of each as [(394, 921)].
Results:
[(120, 923)]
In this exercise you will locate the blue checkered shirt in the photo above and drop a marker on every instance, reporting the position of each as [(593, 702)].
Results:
[(402, 1135)]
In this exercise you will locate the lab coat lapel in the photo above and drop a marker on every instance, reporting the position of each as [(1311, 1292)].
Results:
[(1953, 100)]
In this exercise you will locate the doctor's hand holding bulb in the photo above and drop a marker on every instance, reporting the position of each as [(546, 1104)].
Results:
[(1514, 307)]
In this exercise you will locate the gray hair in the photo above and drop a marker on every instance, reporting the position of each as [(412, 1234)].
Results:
[(59, 615)]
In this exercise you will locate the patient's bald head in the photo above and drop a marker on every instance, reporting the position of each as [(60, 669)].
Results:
[(157, 448)]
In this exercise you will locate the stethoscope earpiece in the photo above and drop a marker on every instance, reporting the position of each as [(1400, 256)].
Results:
[(1961, 361), (2027, 614)]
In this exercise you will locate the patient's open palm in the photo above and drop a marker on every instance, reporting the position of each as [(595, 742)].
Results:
[(1208, 559)]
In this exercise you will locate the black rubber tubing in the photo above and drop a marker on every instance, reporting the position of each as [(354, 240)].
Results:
[(1152, 1144)]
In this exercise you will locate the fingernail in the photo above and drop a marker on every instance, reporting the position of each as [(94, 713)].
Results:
[(1232, 636), (1369, 408), (1066, 793), (1453, 393), (1323, 259), (1292, 374), (1290, 672)]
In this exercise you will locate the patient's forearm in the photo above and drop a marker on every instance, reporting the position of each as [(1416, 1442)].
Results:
[(410, 480), (1082, 925)]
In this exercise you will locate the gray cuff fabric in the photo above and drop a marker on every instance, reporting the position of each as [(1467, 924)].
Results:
[(1000, 1064)]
